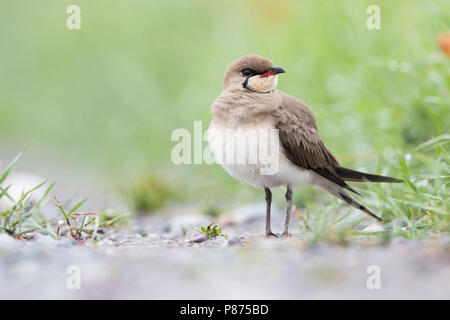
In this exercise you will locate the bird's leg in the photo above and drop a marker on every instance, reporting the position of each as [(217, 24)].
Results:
[(269, 232), (288, 211)]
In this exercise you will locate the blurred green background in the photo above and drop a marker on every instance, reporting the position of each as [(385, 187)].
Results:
[(107, 97)]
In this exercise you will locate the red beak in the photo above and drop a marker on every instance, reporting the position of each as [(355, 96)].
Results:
[(273, 71)]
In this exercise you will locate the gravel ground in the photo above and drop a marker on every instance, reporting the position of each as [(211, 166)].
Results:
[(152, 259)]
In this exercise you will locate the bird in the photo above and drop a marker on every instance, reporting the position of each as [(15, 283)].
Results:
[(250, 101)]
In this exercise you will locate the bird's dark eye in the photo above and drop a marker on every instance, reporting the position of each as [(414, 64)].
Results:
[(247, 72)]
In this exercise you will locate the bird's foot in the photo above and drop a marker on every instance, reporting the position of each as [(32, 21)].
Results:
[(285, 234), (270, 234)]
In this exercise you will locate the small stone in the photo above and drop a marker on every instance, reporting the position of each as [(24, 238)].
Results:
[(234, 241), (199, 239)]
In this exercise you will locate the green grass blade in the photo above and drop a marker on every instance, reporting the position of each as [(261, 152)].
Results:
[(11, 165)]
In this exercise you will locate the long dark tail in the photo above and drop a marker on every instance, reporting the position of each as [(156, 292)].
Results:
[(339, 192), (347, 198), (335, 184), (357, 176)]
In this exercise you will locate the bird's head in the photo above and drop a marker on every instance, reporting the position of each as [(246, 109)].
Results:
[(252, 73)]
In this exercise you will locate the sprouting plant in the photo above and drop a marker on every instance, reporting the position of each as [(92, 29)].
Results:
[(212, 231), (80, 230), (76, 230), (25, 215), (22, 215)]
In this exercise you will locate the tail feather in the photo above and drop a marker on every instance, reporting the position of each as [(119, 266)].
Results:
[(347, 198), (357, 176), (339, 192)]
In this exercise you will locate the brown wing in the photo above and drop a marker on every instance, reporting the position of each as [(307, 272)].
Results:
[(301, 140), (300, 137)]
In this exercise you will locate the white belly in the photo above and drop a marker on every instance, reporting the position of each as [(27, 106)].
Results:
[(235, 150)]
